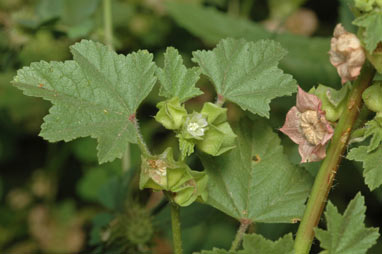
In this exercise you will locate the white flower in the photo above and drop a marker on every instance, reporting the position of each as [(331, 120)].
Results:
[(196, 125)]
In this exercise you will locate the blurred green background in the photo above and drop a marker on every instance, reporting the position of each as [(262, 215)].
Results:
[(55, 198)]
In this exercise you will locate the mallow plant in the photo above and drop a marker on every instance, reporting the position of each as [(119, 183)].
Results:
[(245, 174)]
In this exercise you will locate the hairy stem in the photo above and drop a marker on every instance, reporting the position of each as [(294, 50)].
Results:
[(141, 143), (240, 233), (108, 23), (176, 234), (329, 166)]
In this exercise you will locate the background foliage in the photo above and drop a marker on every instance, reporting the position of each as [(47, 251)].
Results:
[(60, 190)]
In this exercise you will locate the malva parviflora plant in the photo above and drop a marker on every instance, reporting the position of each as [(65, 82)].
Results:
[(246, 174)]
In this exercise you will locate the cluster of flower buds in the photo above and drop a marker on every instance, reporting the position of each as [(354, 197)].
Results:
[(367, 5), (162, 172), (346, 54), (208, 130)]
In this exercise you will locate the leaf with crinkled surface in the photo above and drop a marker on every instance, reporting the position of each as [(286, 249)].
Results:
[(255, 180), (374, 129), (257, 244), (347, 234), (175, 79), (372, 22), (95, 95), (372, 171), (246, 73)]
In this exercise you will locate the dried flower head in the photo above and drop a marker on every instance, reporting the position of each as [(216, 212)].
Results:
[(346, 54), (307, 126)]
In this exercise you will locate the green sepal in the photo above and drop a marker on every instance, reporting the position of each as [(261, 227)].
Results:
[(372, 97), (162, 172), (192, 190), (171, 113), (214, 113), (218, 139), (364, 5), (333, 101), (375, 59)]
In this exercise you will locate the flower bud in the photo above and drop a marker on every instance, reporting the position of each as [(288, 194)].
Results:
[(372, 97), (162, 172), (219, 139), (333, 101), (214, 113), (364, 5), (194, 189), (171, 114)]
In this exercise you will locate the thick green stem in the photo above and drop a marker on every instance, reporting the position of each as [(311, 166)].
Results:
[(329, 166), (240, 233), (176, 234), (108, 23)]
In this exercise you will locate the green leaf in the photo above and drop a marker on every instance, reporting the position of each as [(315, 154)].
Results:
[(70, 12), (374, 129), (246, 73), (372, 22), (347, 234), (309, 66), (255, 180), (257, 244), (94, 95), (176, 80), (89, 185), (371, 163)]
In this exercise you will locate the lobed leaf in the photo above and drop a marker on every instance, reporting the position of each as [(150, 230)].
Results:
[(257, 244), (255, 180), (347, 234), (246, 73), (371, 163), (372, 22), (176, 80), (95, 95), (374, 129)]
